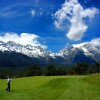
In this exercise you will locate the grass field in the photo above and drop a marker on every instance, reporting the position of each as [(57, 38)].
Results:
[(52, 88)]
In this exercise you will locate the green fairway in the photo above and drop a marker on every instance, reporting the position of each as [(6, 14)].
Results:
[(52, 88)]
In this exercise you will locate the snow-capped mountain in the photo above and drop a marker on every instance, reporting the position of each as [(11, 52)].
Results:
[(74, 55), (90, 50), (71, 54), (37, 53), (31, 51)]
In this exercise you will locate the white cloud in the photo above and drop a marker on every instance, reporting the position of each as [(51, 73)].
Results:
[(23, 39), (73, 12), (15, 10), (33, 12), (94, 42)]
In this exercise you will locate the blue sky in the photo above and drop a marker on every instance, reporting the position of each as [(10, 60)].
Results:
[(39, 17)]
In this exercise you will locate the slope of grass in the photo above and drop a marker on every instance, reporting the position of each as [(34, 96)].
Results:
[(93, 79), (52, 88)]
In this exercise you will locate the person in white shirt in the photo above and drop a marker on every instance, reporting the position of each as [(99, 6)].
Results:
[(8, 84)]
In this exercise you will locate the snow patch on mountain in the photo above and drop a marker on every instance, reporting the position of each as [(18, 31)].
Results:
[(66, 55), (91, 48), (31, 51)]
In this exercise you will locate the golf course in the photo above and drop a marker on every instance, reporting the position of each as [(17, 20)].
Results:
[(52, 88)]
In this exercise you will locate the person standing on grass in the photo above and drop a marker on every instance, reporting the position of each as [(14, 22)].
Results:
[(8, 84)]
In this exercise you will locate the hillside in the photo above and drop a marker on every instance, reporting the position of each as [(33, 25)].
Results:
[(14, 54)]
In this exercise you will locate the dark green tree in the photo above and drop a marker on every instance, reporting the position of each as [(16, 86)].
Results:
[(61, 71), (98, 67), (81, 68), (51, 70), (34, 71)]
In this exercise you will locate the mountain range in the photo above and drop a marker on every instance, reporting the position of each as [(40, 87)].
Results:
[(14, 54)]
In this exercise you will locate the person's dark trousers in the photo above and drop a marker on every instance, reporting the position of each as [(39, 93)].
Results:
[(8, 88)]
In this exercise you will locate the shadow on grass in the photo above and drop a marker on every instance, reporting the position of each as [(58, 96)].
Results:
[(9, 91)]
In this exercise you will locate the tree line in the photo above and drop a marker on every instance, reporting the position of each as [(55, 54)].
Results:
[(78, 69), (52, 70)]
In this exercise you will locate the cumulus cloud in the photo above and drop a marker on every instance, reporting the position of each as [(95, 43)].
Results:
[(23, 39), (94, 42), (73, 12)]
